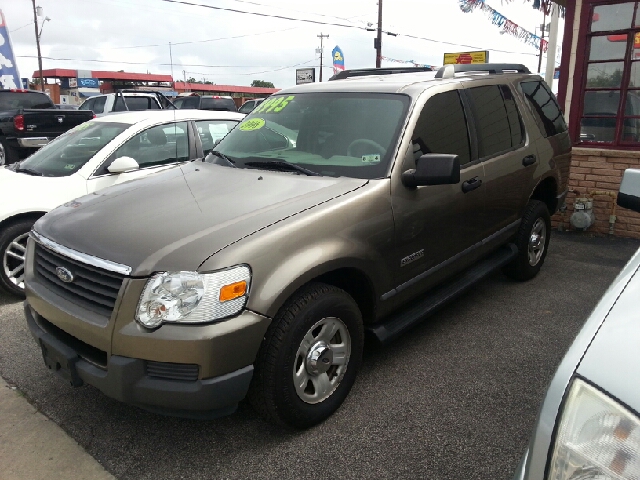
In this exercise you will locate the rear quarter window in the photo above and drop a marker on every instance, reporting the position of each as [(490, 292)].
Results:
[(544, 107)]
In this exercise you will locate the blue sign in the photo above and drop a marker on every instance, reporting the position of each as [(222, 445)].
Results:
[(9, 76), (88, 83), (338, 60), (25, 83)]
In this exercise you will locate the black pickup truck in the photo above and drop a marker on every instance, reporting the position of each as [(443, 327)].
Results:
[(29, 120)]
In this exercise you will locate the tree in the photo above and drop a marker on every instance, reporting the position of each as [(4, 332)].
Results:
[(262, 83), (191, 80)]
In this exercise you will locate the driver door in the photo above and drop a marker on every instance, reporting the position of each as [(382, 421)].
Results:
[(155, 149)]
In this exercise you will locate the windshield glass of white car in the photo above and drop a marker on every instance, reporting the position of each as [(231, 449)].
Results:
[(69, 152)]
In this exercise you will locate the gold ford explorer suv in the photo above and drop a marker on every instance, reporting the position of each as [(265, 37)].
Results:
[(334, 209)]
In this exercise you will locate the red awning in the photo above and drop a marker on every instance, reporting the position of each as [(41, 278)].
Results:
[(56, 73), (104, 75), (202, 87)]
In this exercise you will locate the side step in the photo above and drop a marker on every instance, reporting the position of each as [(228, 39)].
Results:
[(398, 323)]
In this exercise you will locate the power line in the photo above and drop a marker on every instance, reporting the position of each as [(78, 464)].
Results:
[(281, 17)]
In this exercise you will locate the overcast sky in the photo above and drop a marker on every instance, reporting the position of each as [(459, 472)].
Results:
[(102, 34)]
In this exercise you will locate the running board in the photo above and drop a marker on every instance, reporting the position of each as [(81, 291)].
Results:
[(398, 323)]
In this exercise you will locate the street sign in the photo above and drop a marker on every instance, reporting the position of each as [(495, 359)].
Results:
[(305, 75), (466, 57)]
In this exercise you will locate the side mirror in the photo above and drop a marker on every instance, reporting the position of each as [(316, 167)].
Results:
[(629, 194), (433, 169), (123, 164)]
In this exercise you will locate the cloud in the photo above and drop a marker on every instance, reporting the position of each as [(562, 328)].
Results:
[(231, 48)]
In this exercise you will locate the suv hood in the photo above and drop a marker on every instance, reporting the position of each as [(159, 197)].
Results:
[(176, 219), (612, 360)]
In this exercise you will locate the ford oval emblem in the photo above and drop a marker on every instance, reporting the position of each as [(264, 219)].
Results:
[(60, 119), (65, 275)]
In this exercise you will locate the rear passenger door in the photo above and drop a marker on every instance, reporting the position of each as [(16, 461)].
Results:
[(507, 153)]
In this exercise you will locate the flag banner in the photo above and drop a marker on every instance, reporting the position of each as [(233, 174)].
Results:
[(338, 60), (9, 76)]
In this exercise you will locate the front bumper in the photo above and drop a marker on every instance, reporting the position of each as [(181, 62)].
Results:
[(126, 379)]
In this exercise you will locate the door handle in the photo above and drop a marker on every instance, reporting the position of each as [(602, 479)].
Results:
[(471, 184), (529, 160)]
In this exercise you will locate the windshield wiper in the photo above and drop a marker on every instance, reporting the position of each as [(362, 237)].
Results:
[(29, 171), (221, 155), (282, 166)]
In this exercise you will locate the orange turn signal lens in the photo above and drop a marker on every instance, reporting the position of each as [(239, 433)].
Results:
[(234, 290)]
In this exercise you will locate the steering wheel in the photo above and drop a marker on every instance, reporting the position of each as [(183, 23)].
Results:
[(367, 143)]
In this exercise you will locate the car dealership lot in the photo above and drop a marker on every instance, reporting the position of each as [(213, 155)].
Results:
[(455, 398)]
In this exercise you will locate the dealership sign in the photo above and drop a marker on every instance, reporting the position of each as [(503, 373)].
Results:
[(305, 75), (466, 57)]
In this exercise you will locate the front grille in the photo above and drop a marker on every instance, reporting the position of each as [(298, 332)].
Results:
[(91, 354), (173, 371), (92, 288)]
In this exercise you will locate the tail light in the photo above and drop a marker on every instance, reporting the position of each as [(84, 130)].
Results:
[(18, 122), (95, 116)]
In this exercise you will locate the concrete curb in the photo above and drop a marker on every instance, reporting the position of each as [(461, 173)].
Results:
[(32, 447)]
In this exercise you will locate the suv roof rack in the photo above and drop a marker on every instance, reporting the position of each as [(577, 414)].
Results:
[(449, 71), (362, 72), (162, 99)]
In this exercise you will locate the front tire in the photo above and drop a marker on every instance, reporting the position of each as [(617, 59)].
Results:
[(309, 358), (532, 241), (13, 247)]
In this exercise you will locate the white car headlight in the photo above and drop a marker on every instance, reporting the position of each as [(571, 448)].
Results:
[(191, 297), (598, 439)]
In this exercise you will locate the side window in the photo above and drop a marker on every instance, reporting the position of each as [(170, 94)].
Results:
[(178, 103), (247, 107), (159, 145), (210, 131), (98, 106), (190, 102), (545, 108), (496, 119), (442, 128), (88, 104)]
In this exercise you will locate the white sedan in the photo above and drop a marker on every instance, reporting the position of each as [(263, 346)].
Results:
[(97, 154)]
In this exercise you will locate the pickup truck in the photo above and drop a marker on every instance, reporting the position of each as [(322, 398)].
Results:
[(29, 120), (126, 100)]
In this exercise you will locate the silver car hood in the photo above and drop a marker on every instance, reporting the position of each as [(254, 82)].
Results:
[(613, 318), (176, 219), (613, 359)]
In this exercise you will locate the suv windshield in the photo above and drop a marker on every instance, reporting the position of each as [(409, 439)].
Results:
[(332, 134), (70, 151)]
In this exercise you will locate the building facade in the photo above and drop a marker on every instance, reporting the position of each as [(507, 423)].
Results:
[(599, 90)]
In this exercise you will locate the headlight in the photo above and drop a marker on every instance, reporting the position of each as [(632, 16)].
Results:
[(191, 297), (598, 439)]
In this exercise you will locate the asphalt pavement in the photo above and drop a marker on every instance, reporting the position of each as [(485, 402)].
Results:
[(456, 398)]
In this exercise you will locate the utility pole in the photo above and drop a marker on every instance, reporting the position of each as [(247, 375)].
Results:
[(35, 21), (321, 37), (544, 27), (553, 45), (378, 42)]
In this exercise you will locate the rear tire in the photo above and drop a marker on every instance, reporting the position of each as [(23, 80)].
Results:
[(8, 155), (13, 246), (309, 357), (532, 241)]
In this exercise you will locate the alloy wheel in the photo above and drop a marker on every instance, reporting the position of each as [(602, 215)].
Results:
[(13, 260), (321, 360), (537, 241)]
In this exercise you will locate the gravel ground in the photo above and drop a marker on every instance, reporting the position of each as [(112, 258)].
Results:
[(456, 398)]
